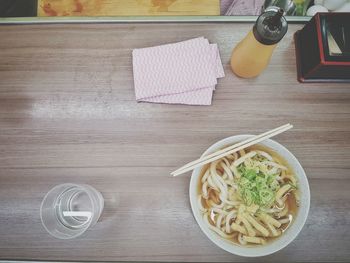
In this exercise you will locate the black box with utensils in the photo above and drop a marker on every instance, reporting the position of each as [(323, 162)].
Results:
[(323, 48)]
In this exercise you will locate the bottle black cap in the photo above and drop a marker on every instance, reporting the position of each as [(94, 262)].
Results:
[(270, 27)]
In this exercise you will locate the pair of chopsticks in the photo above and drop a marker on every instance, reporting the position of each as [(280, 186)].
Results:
[(231, 149)]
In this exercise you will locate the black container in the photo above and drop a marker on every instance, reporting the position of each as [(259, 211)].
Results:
[(323, 48)]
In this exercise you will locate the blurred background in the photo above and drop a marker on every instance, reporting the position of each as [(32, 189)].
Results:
[(46, 8)]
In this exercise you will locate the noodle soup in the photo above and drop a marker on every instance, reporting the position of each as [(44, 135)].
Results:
[(250, 197)]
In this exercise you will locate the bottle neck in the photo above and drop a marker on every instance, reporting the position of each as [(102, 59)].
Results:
[(270, 27), (261, 39)]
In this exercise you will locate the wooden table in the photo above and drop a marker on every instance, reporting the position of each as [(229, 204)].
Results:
[(68, 114)]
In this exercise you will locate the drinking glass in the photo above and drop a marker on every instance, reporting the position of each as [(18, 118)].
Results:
[(68, 210)]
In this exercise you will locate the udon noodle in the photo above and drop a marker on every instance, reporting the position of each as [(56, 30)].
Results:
[(249, 197)]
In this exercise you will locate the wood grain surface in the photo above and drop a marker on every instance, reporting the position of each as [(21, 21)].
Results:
[(68, 114)]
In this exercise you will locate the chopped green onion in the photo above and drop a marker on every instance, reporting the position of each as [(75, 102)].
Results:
[(256, 187)]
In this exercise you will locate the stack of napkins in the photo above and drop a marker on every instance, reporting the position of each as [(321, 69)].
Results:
[(179, 73)]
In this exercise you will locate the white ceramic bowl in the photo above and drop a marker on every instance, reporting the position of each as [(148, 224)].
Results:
[(286, 237)]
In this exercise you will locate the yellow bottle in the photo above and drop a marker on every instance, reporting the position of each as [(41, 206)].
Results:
[(252, 55)]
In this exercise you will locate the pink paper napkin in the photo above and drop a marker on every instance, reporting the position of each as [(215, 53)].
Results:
[(180, 73)]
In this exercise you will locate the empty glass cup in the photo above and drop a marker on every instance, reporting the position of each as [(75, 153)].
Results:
[(68, 210)]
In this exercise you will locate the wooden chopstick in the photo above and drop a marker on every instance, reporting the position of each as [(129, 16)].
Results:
[(231, 149)]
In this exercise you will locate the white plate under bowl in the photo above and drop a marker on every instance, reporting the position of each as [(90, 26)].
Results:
[(289, 235)]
